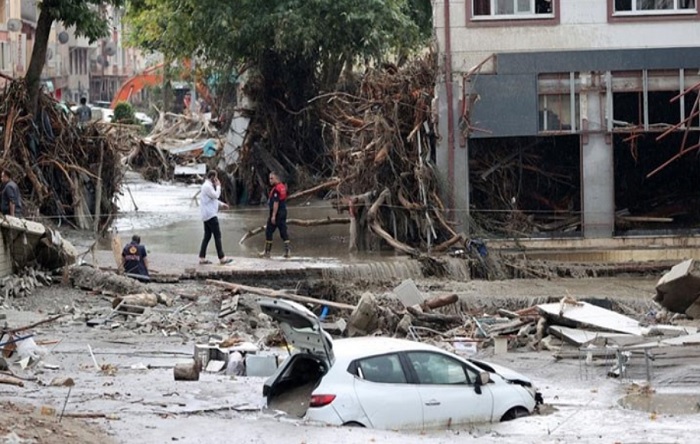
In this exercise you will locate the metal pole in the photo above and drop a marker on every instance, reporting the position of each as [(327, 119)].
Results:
[(193, 94)]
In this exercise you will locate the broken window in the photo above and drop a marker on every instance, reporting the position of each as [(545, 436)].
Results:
[(559, 107), (653, 6), (511, 8), (652, 100)]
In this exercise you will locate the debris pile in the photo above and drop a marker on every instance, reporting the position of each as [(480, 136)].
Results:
[(62, 168), (177, 147), (382, 138), (520, 174), (376, 158), (22, 284)]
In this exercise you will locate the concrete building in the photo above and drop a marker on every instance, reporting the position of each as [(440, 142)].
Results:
[(74, 67), (592, 104), (16, 43)]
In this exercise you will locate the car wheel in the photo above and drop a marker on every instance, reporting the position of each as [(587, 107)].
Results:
[(352, 424), (515, 413)]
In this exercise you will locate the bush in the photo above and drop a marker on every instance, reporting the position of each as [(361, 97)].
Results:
[(124, 113)]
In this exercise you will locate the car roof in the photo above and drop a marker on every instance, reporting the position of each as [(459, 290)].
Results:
[(354, 348)]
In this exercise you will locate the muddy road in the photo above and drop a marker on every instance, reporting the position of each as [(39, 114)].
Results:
[(133, 386)]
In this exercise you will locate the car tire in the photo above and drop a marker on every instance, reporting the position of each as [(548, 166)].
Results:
[(353, 424), (515, 413)]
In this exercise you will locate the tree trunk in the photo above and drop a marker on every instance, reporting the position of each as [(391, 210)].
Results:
[(36, 64), (167, 87)]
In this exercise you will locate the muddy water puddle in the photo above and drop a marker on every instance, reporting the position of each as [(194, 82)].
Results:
[(167, 218), (663, 403)]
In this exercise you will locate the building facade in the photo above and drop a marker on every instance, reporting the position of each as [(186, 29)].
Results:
[(75, 67), (598, 98)]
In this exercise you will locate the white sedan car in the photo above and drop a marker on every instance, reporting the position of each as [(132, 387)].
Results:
[(386, 383)]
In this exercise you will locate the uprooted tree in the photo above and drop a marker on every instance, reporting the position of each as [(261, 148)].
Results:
[(314, 117)]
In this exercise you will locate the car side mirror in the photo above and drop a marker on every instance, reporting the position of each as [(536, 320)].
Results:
[(482, 379)]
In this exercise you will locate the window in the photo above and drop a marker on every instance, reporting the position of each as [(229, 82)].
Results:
[(653, 6), (385, 368), (435, 368), (512, 8), (558, 97)]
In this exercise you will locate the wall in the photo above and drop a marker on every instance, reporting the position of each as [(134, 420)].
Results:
[(583, 25)]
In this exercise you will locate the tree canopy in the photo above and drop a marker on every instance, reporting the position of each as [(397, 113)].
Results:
[(326, 33), (292, 50), (85, 16)]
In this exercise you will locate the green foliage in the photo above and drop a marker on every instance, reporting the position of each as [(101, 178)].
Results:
[(84, 15), (319, 31), (124, 113)]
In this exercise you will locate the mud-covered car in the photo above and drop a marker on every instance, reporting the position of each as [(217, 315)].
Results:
[(386, 383)]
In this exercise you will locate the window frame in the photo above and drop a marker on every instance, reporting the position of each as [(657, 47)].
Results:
[(470, 374), (477, 21), (355, 368), (652, 15)]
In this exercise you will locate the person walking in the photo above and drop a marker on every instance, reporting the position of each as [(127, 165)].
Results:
[(11, 199), (277, 218), (209, 205), (83, 112), (135, 260)]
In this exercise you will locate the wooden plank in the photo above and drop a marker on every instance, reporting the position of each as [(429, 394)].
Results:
[(280, 294)]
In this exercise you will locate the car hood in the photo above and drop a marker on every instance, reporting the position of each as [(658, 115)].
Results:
[(301, 328), (503, 372)]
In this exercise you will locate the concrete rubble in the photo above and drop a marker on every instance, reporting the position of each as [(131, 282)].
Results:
[(222, 332)]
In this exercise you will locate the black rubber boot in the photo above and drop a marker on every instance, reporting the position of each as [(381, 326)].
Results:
[(268, 248), (287, 249)]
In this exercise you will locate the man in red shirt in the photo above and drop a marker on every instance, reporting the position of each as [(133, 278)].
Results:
[(278, 215)]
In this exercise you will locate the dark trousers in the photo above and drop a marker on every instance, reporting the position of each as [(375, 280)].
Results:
[(211, 227), (281, 224)]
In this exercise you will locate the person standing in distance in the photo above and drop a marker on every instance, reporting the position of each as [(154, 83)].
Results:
[(83, 112), (11, 202), (278, 215), (209, 205)]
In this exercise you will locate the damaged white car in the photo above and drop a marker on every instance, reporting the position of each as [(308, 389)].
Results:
[(386, 383)]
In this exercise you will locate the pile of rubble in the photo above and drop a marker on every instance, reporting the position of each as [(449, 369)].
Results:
[(178, 147), (234, 336)]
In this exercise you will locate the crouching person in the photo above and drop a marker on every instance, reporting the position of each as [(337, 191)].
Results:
[(134, 260)]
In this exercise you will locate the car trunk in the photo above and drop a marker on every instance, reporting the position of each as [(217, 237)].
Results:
[(290, 388)]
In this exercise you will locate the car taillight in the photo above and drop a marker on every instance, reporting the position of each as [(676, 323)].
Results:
[(321, 400)]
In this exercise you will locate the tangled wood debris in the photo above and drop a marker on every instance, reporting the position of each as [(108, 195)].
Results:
[(379, 139), (62, 168), (382, 137), (175, 140)]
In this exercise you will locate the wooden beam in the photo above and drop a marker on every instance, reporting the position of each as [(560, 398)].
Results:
[(270, 293)]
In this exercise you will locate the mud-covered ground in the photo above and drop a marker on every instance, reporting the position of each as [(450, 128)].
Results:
[(130, 379)]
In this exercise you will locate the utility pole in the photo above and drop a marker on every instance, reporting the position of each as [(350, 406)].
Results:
[(193, 94)]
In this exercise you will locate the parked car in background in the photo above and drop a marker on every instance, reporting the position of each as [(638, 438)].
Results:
[(386, 383)]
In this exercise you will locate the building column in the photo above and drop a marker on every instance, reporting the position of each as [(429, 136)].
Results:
[(452, 156), (598, 178)]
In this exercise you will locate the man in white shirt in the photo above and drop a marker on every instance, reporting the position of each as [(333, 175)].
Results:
[(209, 205)]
